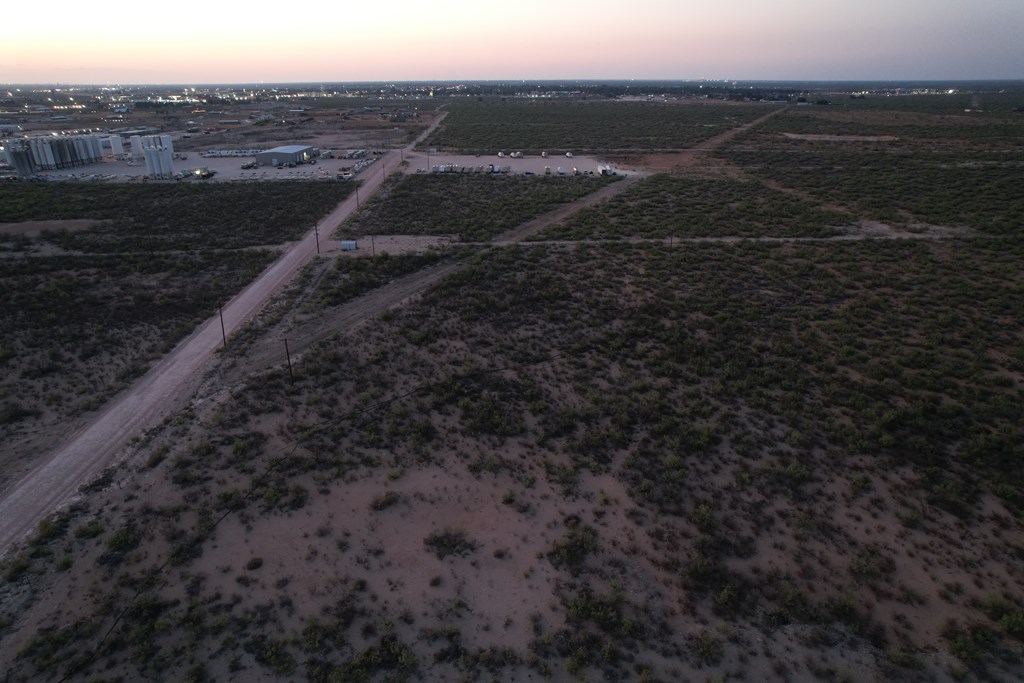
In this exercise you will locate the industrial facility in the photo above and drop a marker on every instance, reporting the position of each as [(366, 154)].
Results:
[(289, 154), (158, 151), (29, 156)]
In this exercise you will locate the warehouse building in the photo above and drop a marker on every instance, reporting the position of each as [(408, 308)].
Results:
[(289, 154)]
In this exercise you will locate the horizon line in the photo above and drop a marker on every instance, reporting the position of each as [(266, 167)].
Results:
[(527, 81)]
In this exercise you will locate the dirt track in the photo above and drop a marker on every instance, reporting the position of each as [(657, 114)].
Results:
[(102, 441), (691, 157), (269, 351), (527, 230)]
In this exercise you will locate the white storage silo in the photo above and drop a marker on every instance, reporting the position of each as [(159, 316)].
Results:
[(39, 148), (79, 154), (95, 147), (61, 150), (159, 162), (48, 159), (168, 156), (33, 148), (136, 142), (152, 163)]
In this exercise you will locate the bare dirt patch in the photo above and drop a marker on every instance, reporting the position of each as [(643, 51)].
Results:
[(879, 229), (35, 228), (686, 161), (840, 138)]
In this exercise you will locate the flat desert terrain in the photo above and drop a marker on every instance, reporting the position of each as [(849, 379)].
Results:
[(750, 410)]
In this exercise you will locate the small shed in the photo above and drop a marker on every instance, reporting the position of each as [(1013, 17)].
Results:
[(349, 245)]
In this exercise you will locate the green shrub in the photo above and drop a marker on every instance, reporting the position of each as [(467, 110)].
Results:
[(450, 542)]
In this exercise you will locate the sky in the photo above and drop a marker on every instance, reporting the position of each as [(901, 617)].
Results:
[(121, 42)]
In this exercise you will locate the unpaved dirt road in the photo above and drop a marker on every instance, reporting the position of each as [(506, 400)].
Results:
[(697, 154), (100, 442), (269, 350), (527, 230)]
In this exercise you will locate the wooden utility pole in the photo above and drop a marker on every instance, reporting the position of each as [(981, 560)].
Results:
[(288, 355), (316, 231), (223, 333)]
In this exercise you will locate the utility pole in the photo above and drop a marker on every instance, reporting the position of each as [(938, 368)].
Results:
[(223, 333), (288, 355), (373, 249), (357, 197), (316, 231)]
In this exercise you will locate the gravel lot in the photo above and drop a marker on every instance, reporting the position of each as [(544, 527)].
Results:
[(230, 168)]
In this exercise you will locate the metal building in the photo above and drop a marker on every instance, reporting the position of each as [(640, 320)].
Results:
[(289, 154)]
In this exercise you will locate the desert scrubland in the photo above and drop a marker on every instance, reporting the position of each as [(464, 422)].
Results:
[(755, 414)]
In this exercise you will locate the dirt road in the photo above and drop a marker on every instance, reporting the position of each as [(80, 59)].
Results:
[(268, 351), (166, 387), (698, 154), (527, 230)]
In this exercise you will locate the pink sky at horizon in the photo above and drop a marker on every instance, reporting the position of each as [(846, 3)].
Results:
[(112, 41)]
